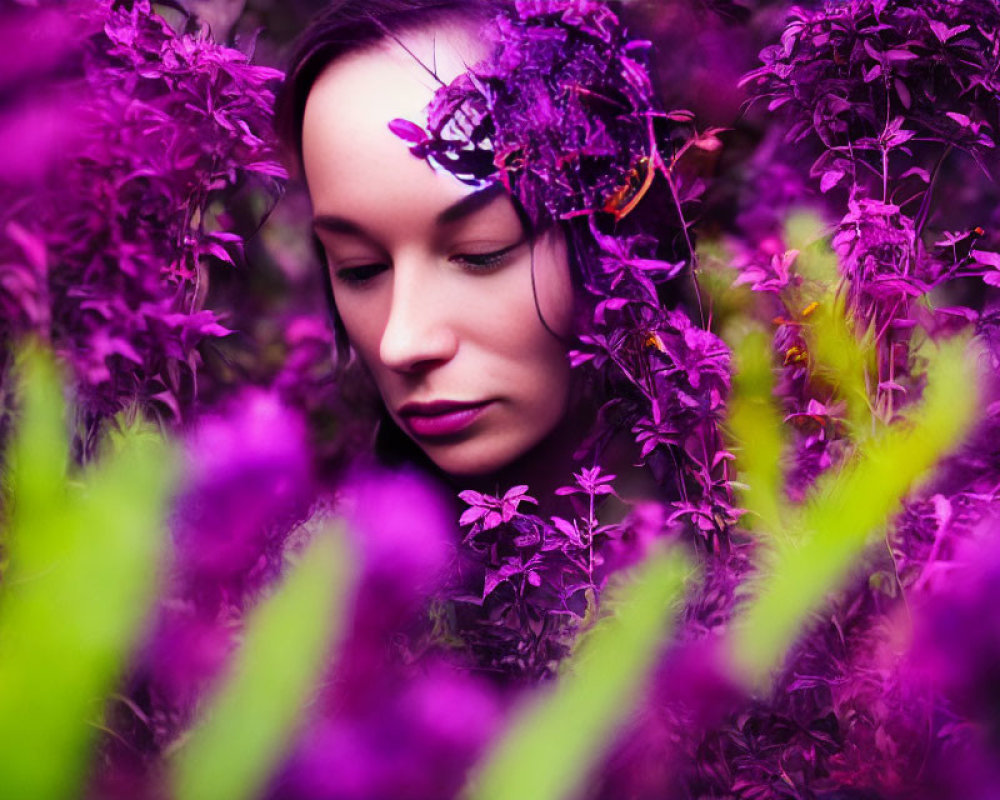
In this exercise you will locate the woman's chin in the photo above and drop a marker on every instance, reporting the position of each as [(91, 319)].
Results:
[(471, 459), (495, 463)]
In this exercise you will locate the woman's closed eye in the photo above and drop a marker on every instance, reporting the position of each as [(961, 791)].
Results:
[(359, 275), (486, 262)]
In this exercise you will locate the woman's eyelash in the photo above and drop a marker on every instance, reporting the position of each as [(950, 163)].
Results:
[(477, 262), (357, 276), (483, 262)]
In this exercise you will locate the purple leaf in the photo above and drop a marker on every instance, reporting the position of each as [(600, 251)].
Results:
[(986, 257), (961, 119), (408, 131), (943, 32), (830, 179), (471, 515)]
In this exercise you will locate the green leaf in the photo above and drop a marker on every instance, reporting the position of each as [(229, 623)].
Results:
[(244, 734), (548, 749), (836, 523), (756, 426), (39, 451), (83, 560), (843, 361)]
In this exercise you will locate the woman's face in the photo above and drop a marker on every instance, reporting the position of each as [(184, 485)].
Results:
[(432, 280)]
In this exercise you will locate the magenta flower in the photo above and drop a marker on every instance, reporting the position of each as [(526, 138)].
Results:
[(247, 480), (415, 740), (106, 258), (487, 512), (591, 482), (404, 530)]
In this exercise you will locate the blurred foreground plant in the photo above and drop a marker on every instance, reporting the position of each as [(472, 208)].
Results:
[(550, 747), (809, 549), (246, 731), (83, 553)]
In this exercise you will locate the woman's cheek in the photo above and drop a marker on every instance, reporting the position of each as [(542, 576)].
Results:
[(515, 309), (364, 315)]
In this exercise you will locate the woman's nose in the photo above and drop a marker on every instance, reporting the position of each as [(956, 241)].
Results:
[(418, 334)]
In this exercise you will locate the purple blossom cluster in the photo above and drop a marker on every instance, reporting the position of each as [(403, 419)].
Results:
[(105, 257), (562, 147), (377, 727), (529, 584), (888, 103), (892, 95), (951, 622), (247, 484), (872, 87), (395, 718)]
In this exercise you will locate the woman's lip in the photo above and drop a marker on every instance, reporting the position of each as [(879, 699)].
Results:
[(440, 418)]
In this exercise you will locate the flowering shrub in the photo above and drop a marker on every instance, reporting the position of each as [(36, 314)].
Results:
[(107, 260), (890, 92)]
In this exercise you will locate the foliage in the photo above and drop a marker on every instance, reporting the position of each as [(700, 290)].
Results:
[(890, 91), (83, 554), (808, 550), (545, 749), (107, 258)]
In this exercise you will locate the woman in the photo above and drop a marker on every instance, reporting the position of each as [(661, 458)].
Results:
[(433, 281), (496, 195)]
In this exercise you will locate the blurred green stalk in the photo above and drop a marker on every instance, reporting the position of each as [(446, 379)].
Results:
[(83, 556), (807, 551), (247, 730), (546, 752)]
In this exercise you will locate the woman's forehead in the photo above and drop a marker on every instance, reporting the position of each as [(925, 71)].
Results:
[(351, 157), (397, 75)]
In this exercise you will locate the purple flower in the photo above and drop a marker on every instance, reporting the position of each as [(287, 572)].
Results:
[(565, 147), (487, 512), (247, 480), (416, 739), (106, 259), (591, 482), (393, 719), (888, 93), (957, 645), (404, 530)]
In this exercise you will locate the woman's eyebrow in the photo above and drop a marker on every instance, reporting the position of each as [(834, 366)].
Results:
[(335, 224), (456, 212), (470, 204)]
